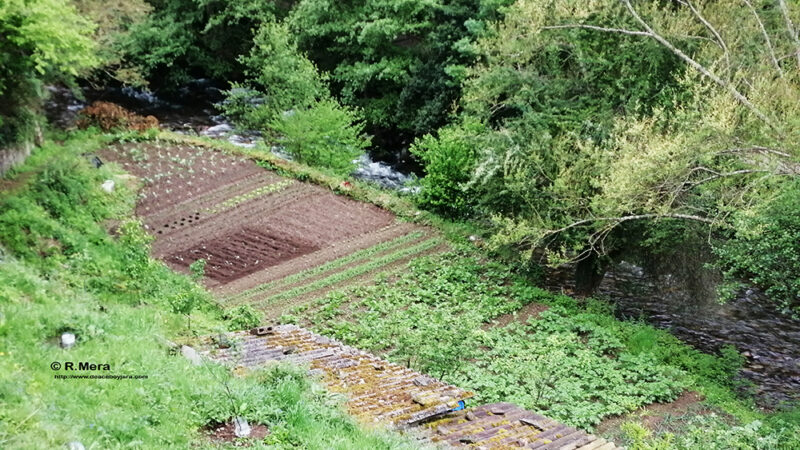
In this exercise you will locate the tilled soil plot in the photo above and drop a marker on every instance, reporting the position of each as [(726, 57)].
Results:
[(248, 223)]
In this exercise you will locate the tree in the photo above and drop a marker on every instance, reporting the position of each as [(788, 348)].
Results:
[(185, 39), (399, 61), (41, 41), (607, 116)]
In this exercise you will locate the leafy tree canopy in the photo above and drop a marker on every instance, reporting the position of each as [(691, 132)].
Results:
[(40, 41), (401, 61)]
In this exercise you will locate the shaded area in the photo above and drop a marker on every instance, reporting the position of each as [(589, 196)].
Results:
[(765, 336)]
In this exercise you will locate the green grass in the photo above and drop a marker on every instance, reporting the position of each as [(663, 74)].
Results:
[(362, 254), (60, 271)]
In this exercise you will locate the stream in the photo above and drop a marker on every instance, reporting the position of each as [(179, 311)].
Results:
[(193, 112), (767, 338)]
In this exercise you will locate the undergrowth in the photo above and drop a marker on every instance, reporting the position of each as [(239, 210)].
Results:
[(574, 362)]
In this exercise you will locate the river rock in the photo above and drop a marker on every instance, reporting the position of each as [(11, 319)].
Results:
[(192, 355)]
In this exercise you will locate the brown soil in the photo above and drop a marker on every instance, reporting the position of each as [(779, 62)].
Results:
[(531, 310), (243, 252), (658, 417), (327, 254), (224, 433), (197, 205), (174, 174)]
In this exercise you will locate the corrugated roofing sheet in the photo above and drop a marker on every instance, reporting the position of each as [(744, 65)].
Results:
[(506, 426)]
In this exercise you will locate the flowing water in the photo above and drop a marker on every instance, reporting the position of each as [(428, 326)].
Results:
[(193, 112), (768, 338)]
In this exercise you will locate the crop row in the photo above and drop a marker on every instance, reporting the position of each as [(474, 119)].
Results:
[(352, 272), (331, 265), (255, 193)]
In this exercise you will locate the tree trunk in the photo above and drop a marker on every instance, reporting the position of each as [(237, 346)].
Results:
[(589, 272)]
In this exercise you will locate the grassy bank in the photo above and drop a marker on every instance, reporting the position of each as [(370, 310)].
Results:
[(62, 271)]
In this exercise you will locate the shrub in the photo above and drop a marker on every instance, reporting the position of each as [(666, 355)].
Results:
[(766, 249), (448, 160), (242, 317), (110, 116), (325, 134)]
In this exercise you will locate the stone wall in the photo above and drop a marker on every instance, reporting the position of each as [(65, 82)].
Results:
[(11, 156)]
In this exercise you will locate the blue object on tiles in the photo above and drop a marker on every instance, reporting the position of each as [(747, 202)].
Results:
[(461, 405)]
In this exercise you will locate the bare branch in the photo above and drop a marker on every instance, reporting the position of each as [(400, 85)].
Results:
[(790, 29), (592, 27), (766, 37), (621, 219), (709, 27), (757, 149), (699, 67), (692, 184)]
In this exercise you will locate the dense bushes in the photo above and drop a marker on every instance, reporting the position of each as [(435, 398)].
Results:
[(594, 133), (288, 99), (400, 61), (449, 160), (325, 134), (766, 248), (42, 42), (570, 360), (185, 39)]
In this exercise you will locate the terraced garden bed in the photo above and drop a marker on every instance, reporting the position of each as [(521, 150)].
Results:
[(268, 241)]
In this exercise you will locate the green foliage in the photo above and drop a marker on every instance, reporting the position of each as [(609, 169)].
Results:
[(715, 433), (575, 362), (279, 79), (276, 67), (449, 160), (242, 317), (113, 20), (766, 248), (400, 61), (325, 134), (44, 41), (198, 269), (545, 94), (182, 39), (352, 272)]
